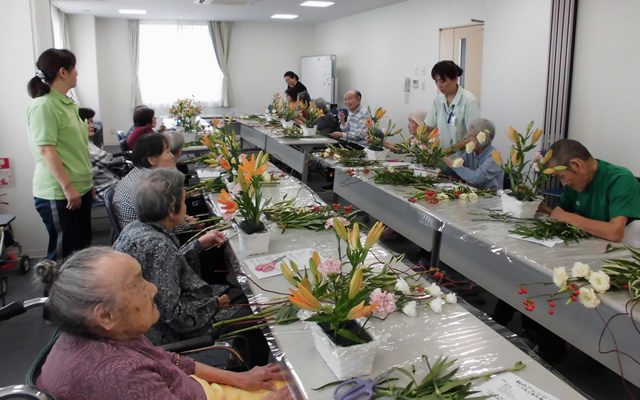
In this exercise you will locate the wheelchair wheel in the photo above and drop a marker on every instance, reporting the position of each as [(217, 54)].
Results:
[(25, 264)]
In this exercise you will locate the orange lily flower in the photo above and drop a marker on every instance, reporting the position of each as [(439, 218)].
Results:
[(547, 157), (206, 141), (229, 205), (512, 135), (225, 164), (361, 310), (536, 136), (496, 157), (434, 133), (356, 283), (369, 123), (248, 167), (380, 112), (303, 298)]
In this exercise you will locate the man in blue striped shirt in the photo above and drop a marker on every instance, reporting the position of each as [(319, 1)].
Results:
[(354, 128)]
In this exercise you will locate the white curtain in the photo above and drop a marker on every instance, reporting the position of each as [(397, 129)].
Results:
[(61, 37), (220, 32), (134, 29)]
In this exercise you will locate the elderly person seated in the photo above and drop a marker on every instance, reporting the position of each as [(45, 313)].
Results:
[(103, 306), (188, 305), (479, 169), (328, 123), (150, 152), (416, 118), (176, 141)]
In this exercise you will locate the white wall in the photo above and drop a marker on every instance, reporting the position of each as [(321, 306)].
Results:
[(376, 50), (514, 65), (82, 40), (605, 86), (17, 39)]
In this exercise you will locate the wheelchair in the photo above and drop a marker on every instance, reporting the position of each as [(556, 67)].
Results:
[(230, 353)]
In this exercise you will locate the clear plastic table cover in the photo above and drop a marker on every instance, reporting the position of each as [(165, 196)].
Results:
[(455, 332), (483, 251), (274, 132)]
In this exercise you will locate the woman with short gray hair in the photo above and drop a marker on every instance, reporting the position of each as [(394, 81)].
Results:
[(188, 305), (103, 307), (478, 168)]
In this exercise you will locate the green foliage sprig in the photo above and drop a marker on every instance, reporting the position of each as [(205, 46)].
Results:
[(390, 176)]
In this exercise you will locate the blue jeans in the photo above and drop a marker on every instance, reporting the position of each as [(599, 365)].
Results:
[(69, 230)]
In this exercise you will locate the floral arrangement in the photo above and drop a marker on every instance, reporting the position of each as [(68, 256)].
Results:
[(246, 197), (275, 105), (225, 149), (287, 111), (425, 148), (310, 114), (378, 136), (185, 112), (338, 152), (392, 176), (525, 176), (462, 192)]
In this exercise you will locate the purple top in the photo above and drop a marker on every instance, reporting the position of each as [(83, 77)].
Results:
[(79, 368), (135, 135)]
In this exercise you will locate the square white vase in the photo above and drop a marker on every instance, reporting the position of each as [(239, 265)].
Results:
[(287, 124), (255, 243), (373, 155), (517, 208), (306, 131)]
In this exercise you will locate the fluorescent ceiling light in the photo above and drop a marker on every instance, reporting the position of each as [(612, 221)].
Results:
[(284, 16), (317, 3), (133, 12)]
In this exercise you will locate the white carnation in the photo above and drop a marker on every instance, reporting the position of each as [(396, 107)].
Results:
[(434, 290), (451, 298), (470, 147), (442, 196), (482, 137), (410, 309), (600, 281), (463, 196), (457, 163), (560, 277), (402, 286), (473, 196), (588, 298), (580, 270), (436, 305)]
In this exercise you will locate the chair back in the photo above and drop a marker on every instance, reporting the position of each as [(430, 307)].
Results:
[(111, 212), (123, 146)]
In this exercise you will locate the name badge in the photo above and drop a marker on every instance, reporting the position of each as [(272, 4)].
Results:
[(452, 120)]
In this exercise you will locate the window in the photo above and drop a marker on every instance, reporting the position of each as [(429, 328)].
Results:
[(177, 60)]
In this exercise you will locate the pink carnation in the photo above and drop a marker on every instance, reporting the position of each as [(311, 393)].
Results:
[(386, 302), (329, 222), (330, 266)]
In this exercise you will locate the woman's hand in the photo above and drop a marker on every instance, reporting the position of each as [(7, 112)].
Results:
[(212, 238), (281, 394), (191, 220), (223, 300), (259, 377)]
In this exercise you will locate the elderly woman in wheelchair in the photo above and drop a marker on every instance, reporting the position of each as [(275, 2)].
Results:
[(103, 306)]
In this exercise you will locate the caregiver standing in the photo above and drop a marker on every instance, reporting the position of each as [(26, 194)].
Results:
[(294, 86), (454, 109), (58, 138)]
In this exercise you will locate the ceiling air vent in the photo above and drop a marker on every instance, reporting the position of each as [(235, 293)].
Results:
[(227, 2)]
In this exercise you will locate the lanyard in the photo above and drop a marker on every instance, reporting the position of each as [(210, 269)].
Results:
[(449, 115)]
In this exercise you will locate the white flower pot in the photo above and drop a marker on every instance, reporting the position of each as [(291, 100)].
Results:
[(373, 155), (306, 131), (517, 208), (287, 124), (345, 362), (423, 171), (255, 243)]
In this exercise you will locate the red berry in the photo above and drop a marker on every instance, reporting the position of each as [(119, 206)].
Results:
[(438, 275), (316, 208), (552, 304), (576, 292), (525, 302), (626, 286), (284, 227), (524, 290), (574, 298), (282, 175), (551, 312), (520, 291), (412, 200), (529, 308), (420, 289)]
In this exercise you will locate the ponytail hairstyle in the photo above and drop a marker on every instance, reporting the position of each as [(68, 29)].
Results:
[(48, 65)]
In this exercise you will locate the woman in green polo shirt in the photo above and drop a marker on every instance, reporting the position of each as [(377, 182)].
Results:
[(58, 138)]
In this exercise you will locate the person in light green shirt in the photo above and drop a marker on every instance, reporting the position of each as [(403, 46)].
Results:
[(597, 197), (454, 109), (62, 186)]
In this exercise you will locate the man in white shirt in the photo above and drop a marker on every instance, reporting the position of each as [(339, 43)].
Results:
[(354, 128)]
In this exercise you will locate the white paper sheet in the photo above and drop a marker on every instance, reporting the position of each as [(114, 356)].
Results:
[(300, 257), (208, 173), (548, 242), (509, 386)]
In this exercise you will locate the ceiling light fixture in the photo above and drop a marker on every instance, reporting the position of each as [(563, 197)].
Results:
[(284, 16), (133, 12), (311, 3)]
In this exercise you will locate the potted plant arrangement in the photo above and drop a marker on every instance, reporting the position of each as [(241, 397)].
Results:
[(309, 114), (246, 200), (287, 112), (526, 176), (225, 149), (426, 151), (342, 303), (272, 111), (185, 112), (376, 136)]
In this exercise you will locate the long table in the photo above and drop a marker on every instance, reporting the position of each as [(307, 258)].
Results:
[(484, 252), (293, 152), (455, 332)]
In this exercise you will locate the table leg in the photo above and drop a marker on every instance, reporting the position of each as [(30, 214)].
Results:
[(435, 249)]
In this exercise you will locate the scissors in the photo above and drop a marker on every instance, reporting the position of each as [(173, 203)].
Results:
[(270, 266), (359, 389)]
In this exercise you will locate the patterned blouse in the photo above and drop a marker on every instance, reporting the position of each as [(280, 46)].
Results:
[(187, 304), (100, 369)]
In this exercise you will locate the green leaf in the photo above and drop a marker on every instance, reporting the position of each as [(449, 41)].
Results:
[(350, 335)]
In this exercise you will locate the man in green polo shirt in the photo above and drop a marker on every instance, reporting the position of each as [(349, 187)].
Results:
[(597, 197)]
